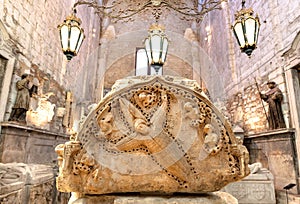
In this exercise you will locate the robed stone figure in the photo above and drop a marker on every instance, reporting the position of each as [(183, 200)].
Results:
[(21, 105), (274, 98)]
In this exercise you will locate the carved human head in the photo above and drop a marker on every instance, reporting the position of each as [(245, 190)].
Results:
[(208, 128), (271, 84), (24, 76)]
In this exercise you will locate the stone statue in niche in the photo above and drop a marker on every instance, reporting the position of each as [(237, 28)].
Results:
[(274, 98), (21, 105), (146, 136)]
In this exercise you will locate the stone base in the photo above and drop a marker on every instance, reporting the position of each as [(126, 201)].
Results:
[(276, 151), (29, 145), (208, 198), (29, 183), (254, 189)]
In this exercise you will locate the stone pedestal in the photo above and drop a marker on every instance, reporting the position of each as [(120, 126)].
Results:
[(20, 143), (277, 152), (254, 189), (209, 198)]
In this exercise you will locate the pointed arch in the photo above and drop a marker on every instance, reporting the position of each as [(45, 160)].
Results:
[(189, 52)]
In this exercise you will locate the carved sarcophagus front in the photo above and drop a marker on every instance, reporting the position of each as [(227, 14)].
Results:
[(152, 134)]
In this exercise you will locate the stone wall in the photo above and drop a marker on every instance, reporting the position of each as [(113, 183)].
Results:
[(266, 62), (274, 59), (279, 28), (247, 110), (30, 39)]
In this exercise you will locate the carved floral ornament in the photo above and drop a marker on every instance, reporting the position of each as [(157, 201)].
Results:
[(152, 134), (125, 10)]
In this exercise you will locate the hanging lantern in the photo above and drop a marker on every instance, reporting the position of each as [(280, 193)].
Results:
[(156, 45), (71, 35), (246, 29)]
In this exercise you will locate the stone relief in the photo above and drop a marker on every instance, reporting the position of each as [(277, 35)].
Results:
[(27, 183), (11, 173), (43, 114), (152, 134)]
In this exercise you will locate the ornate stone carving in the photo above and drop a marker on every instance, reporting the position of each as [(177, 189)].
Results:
[(152, 134), (12, 173), (256, 188), (43, 115), (26, 183)]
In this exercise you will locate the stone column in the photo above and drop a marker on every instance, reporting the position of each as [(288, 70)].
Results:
[(108, 35)]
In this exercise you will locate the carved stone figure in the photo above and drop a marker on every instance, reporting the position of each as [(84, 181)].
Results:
[(241, 152), (211, 139), (274, 98), (255, 167), (146, 136), (23, 98)]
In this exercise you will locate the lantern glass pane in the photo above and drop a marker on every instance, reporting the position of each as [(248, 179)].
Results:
[(156, 47), (64, 34), (250, 30), (147, 48), (256, 30), (238, 30), (164, 50), (141, 63), (80, 42), (75, 34)]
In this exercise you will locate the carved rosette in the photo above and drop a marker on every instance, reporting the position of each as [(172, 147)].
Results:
[(152, 134)]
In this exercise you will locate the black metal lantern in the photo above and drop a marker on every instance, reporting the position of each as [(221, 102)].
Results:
[(71, 35), (156, 45), (246, 29)]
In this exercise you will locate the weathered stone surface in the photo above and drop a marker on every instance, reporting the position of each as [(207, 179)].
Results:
[(152, 134), (209, 198), (276, 151), (28, 183), (25, 144), (256, 188)]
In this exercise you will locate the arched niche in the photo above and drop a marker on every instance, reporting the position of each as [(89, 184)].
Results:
[(189, 52), (7, 67), (173, 67)]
